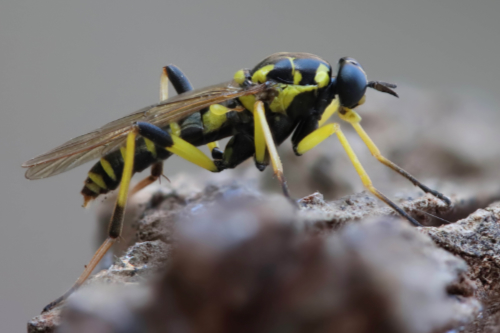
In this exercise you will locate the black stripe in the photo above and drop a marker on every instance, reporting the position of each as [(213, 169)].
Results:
[(115, 227), (155, 134), (179, 81)]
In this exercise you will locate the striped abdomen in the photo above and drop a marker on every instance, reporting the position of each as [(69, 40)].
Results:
[(200, 128), (106, 174)]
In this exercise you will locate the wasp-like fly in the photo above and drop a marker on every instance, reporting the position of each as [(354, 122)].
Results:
[(285, 94)]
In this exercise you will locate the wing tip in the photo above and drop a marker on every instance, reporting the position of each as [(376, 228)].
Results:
[(29, 175)]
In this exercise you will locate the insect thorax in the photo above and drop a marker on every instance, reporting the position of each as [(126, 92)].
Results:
[(298, 77)]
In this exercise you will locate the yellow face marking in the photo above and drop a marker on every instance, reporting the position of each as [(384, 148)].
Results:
[(94, 188), (97, 179), (350, 116), (315, 138), (260, 76), (108, 168), (176, 129), (150, 146), (286, 94), (239, 76), (362, 100), (213, 121)]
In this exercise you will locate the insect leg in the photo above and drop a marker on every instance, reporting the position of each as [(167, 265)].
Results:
[(181, 85), (329, 111), (366, 180), (156, 172), (263, 138), (168, 73), (176, 145), (315, 138), (376, 153), (115, 225)]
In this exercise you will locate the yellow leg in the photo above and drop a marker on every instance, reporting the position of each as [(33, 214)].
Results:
[(259, 138), (315, 138), (329, 111), (180, 147), (263, 134), (191, 153), (366, 180), (354, 121), (115, 225)]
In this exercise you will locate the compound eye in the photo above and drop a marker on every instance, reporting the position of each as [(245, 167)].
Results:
[(351, 82)]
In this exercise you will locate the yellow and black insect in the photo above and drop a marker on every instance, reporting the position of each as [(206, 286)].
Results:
[(285, 93)]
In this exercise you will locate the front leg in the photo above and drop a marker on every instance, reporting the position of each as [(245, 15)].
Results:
[(354, 119)]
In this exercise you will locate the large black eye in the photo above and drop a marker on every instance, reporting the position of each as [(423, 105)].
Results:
[(351, 83)]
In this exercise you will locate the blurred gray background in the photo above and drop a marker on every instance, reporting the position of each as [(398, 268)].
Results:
[(69, 67)]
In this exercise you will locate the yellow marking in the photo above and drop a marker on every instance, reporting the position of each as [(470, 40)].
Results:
[(218, 109), (259, 139), (93, 187), (175, 129), (369, 143), (108, 168), (315, 138), (239, 76), (212, 145), (150, 146), (329, 111), (123, 151), (128, 168), (259, 114), (366, 179), (350, 116), (260, 76), (164, 85), (189, 152), (97, 179), (248, 102), (286, 94), (292, 64), (297, 77), (354, 159), (213, 121), (322, 78), (362, 100)]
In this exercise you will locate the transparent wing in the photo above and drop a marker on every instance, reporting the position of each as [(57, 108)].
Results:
[(112, 135)]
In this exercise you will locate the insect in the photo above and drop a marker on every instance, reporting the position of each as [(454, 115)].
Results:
[(285, 94)]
